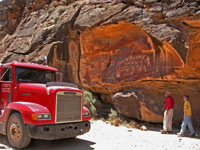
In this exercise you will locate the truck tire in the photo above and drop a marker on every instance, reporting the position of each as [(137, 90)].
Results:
[(16, 132)]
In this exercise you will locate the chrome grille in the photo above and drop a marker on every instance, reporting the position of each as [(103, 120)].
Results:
[(68, 106)]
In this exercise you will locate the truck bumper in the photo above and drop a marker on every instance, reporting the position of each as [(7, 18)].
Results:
[(58, 131)]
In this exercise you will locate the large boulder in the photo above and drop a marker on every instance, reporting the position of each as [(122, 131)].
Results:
[(141, 104)]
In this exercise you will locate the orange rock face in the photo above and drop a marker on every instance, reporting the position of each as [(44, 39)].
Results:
[(114, 56)]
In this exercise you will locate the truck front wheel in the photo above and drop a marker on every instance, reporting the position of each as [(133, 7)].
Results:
[(16, 132)]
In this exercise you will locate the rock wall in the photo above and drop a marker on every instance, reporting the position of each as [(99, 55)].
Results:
[(3, 6), (129, 52)]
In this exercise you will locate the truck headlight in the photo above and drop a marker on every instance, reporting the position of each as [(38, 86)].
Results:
[(46, 116), (86, 114), (41, 116)]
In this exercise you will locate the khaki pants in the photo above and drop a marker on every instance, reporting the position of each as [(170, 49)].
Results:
[(167, 121)]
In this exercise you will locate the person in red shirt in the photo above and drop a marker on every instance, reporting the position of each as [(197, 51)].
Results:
[(168, 114)]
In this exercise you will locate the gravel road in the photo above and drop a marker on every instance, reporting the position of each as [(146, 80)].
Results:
[(103, 136)]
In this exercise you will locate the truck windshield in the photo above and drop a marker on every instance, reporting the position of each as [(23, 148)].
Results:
[(34, 75)]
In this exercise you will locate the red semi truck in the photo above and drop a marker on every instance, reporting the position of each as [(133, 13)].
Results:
[(34, 105)]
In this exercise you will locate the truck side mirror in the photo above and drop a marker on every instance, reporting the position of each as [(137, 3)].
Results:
[(59, 77)]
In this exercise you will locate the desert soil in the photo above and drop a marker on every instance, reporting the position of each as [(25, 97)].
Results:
[(103, 136)]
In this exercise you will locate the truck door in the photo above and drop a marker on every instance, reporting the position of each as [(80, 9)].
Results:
[(6, 87)]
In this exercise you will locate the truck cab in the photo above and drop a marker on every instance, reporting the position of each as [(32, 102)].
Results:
[(33, 104)]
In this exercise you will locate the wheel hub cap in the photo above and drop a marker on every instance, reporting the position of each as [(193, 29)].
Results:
[(15, 132), (13, 129)]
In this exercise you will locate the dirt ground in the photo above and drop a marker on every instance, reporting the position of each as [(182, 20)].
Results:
[(103, 136)]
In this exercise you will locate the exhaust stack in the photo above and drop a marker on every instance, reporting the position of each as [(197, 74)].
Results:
[(45, 60)]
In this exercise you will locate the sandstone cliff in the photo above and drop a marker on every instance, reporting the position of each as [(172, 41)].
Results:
[(128, 51)]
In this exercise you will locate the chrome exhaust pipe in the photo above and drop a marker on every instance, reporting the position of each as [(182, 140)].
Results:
[(45, 60)]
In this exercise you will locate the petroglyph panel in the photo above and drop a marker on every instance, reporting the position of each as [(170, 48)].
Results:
[(135, 65)]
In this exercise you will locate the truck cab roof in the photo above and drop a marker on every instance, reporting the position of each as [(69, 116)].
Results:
[(30, 65)]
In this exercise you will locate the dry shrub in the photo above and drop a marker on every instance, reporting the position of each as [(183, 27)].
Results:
[(60, 9), (50, 10), (113, 118), (113, 114), (91, 103)]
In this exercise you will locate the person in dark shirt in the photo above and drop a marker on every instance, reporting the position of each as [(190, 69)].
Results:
[(168, 114)]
